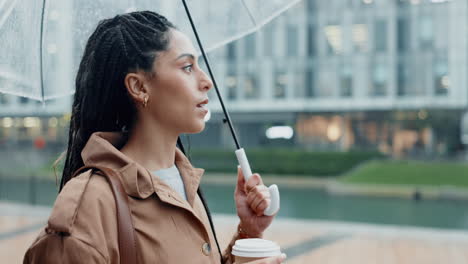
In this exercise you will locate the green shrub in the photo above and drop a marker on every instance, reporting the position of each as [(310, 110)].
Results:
[(409, 172), (283, 161)]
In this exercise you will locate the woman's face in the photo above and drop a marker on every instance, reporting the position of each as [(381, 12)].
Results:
[(178, 91)]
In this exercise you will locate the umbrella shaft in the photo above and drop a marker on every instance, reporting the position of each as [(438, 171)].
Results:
[(41, 53), (226, 114)]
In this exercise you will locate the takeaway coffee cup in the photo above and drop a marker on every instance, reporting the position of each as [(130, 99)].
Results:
[(251, 249)]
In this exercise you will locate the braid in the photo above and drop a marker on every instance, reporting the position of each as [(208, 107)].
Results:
[(119, 45), (122, 41)]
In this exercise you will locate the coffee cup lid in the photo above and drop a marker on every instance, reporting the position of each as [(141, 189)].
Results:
[(255, 248)]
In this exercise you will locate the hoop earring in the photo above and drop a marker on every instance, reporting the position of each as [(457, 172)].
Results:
[(145, 102)]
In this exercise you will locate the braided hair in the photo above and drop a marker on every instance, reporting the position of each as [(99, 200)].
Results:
[(126, 43), (120, 45)]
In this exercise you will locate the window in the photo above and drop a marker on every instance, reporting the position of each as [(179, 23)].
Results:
[(334, 40), (403, 34), (380, 36), (310, 83), (402, 3), (379, 80), (426, 32), (231, 81), (328, 84), (280, 81), (311, 6), (346, 82), (360, 37), (292, 35), (251, 87), (250, 46), (441, 76), (268, 39), (231, 51), (4, 99), (298, 81), (402, 79), (311, 44), (23, 100)]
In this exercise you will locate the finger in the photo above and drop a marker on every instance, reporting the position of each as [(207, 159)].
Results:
[(262, 206), (253, 181), (251, 197), (240, 180), (257, 199), (259, 196), (259, 206), (255, 204), (279, 259), (260, 191)]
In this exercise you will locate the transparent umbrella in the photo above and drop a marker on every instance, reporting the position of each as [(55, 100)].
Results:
[(41, 39), (49, 36)]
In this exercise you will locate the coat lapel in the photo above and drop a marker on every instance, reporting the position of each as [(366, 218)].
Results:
[(102, 149)]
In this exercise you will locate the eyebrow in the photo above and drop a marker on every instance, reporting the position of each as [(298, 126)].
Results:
[(186, 55)]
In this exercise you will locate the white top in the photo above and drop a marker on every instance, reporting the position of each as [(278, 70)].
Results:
[(171, 176)]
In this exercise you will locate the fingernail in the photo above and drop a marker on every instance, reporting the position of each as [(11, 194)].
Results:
[(283, 256)]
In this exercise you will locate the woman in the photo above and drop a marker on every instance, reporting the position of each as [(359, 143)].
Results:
[(137, 89)]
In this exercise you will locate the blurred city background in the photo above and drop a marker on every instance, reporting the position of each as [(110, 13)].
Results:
[(357, 109)]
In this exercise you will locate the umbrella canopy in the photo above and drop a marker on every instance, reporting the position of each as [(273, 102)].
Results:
[(42, 41)]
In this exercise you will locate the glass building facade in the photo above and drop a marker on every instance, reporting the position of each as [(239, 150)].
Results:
[(371, 74)]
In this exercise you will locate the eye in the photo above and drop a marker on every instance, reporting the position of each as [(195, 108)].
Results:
[(188, 68)]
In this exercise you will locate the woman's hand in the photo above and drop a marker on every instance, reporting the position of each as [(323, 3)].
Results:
[(252, 198), (272, 260)]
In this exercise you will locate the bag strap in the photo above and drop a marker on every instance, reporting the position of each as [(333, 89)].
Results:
[(127, 242), (205, 204)]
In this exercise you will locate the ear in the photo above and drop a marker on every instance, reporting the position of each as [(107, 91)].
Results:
[(135, 84)]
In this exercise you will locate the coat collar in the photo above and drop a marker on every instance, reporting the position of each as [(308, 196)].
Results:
[(102, 149)]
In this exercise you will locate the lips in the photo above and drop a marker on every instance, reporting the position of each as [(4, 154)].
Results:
[(203, 103)]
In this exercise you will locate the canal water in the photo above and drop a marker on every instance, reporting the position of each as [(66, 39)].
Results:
[(307, 203), (301, 203)]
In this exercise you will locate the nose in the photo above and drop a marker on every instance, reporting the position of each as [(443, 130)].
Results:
[(205, 82)]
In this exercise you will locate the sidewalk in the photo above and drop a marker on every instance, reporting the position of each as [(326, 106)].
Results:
[(325, 242), (304, 241)]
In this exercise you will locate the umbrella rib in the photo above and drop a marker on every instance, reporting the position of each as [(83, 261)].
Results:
[(248, 12), (41, 42)]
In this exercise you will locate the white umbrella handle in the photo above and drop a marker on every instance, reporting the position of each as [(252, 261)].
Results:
[(274, 192)]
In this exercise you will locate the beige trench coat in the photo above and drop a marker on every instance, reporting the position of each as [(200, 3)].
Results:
[(168, 228)]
